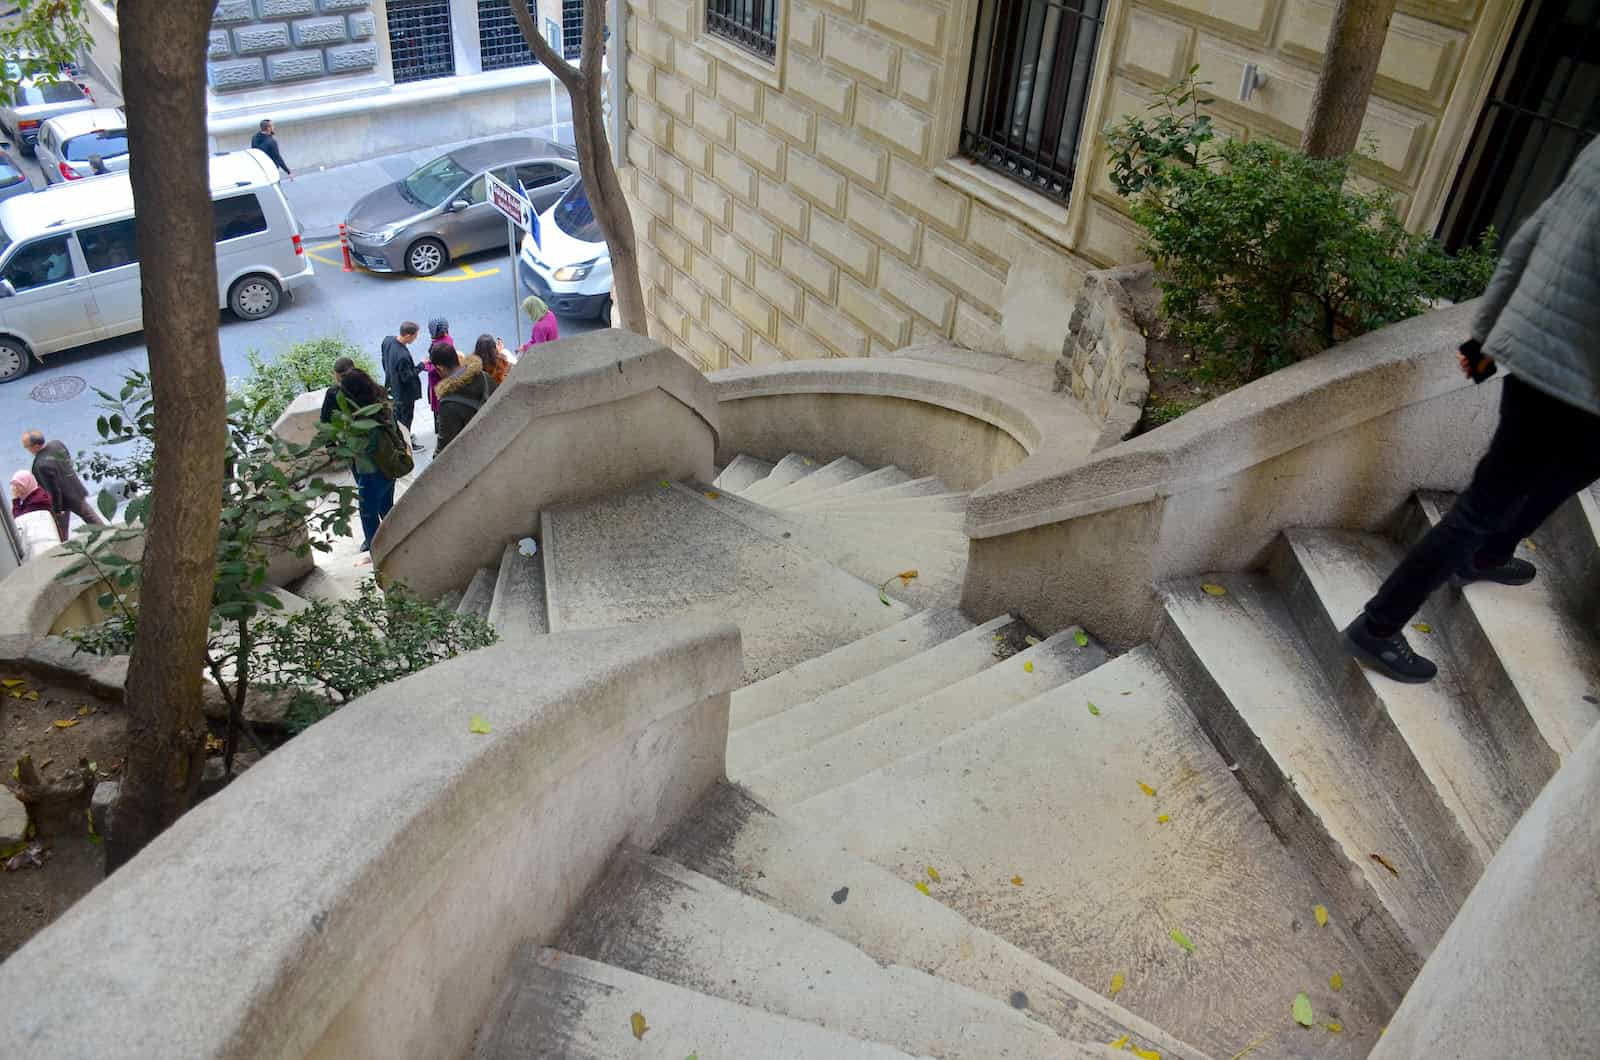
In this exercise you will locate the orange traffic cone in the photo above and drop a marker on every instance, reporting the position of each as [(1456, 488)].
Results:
[(344, 245)]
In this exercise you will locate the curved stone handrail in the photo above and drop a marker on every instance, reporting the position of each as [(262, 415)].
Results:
[(934, 410), (1341, 439), (575, 420), (359, 892)]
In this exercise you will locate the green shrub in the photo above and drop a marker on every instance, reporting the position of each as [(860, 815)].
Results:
[(1264, 255), (270, 387)]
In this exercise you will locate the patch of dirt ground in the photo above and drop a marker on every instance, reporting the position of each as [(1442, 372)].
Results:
[(1175, 383)]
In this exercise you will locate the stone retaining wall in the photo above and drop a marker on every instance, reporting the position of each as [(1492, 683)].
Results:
[(1103, 362), (261, 42)]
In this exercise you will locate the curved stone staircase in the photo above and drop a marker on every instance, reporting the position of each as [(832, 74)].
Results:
[(955, 839)]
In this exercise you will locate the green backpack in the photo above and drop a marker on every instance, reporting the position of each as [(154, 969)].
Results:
[(388, 450)]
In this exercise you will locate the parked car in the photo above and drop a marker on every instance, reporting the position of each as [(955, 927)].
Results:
[(69, 144), (569, 265), (442, 211), (36, 100), (13, 181), (69, 258)]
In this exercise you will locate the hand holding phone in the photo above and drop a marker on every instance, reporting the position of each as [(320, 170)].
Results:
[(1475, 364)]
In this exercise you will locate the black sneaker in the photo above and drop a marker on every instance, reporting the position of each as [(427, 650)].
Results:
[(1512, 572), (1390, 656)]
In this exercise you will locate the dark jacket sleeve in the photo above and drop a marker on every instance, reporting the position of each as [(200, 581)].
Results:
[(53, 468), (269, 146), (330, 403)]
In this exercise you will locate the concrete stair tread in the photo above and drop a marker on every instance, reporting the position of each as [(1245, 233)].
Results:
[(869, 504), (790, 469), (1439, 721), (837, 473), (902, 528), (519, 609), (479, 596), (1049, 793), (870, 484), (815, 677), (951, 524), (764, 742), (922, 723), (558, 1005), (742, 472), (803, 872), (1314, 771), (653, 917), (1550, 659), (320, 584), (927, 486), (658, 551)]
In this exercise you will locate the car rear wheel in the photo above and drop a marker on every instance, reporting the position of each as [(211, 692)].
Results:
[(15, 360), (426, 257), (255, 297)]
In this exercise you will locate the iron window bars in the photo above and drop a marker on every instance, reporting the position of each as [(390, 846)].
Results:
[(751, 24), (419, 40), (500, 38)]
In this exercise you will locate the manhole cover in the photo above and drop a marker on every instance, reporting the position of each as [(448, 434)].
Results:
[(62, 388)]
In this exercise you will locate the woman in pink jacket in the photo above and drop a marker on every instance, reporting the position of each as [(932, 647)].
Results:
[(544, 322)]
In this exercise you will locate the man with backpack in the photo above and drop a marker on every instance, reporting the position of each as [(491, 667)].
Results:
[(462, 391), (401, 376)]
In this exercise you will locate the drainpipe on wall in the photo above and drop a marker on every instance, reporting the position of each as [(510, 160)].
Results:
[(619, 83)]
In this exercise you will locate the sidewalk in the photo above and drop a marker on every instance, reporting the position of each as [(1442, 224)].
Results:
[(322, 198)]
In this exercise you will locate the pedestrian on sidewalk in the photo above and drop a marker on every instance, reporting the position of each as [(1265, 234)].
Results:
[(462, 391), (1540, 318), (402, 376), (52, 468), (266, 141), (545, 328), (375, 476), (330, 396), (438, 331), (492, 352), (31, 510)]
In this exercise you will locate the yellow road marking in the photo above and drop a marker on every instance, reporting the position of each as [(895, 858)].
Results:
[(324, 246), (325, 261), (467, 273)]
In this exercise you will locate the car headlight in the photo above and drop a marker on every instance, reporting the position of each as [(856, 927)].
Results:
[(568, 273), (385, 235)]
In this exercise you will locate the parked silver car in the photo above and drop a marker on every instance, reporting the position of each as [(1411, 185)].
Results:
[(35, 101), (13, 181), (69, 145), (442, 211)]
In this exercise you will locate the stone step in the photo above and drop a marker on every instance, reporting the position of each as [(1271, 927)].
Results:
[(838, 473), (480, 593), (664, 550), (929, 486), (790, 469), (1523, 645), (870, 484), (903, 528), (519, 609), (917, 725), (802, 872), (653, 917), (760, 744), (742, 473), (951, 524), (1040, 831), (557, 1005), (1573, 532), (874, 554), (934, 503), (816, 677), (1482, 782), (320, 584), (1338, 790), (452, 599)]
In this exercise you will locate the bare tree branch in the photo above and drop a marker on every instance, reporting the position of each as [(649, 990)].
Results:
[(552, 60)]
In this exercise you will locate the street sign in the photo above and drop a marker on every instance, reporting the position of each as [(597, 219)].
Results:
[(517, 209)]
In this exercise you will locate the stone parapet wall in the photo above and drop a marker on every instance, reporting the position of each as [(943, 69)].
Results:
[(255, 43), (1103, 365)]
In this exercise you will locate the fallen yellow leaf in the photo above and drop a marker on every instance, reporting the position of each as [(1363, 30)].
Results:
[(1146, 1054), (1094, 710), (1336, 981), (905, 576), (922, 887), (1181, 939), (1117, 983), (1336, 1028), (83, 710), (1120, 1043), (479, 726), (1213, 590), (1422, 627), (12, 682), (1147, 789), (1080, 638), (31, 695), (1380, 859), (1163, 819), (1322, 915), (933, 874), (1016, 881), (66, 723), (713, 494), (1302, 1010), (1027, 667), (639, 1025)]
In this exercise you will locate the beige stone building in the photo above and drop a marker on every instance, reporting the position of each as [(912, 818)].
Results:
[(818, 178)]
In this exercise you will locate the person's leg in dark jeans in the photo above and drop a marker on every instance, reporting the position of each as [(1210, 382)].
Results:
[(385, 499), (1543, 452), (403, 411), (86, 511), (369, 494)]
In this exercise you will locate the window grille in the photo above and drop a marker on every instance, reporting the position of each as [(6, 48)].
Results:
[(500, 38), (419, 40), (571, 28), (751, 24), (1032, 61)]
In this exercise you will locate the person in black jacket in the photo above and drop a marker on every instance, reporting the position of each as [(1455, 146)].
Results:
[(52, 468), (266, 141), (330, 397), (401, 375), (462, 391)]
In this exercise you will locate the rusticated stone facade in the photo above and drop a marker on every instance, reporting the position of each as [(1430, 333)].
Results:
[(255, 43)]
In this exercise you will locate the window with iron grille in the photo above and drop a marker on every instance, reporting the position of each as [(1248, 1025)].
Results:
[(751, 24), (419, 40), (1031, 67), (572, 28), (500, 38)]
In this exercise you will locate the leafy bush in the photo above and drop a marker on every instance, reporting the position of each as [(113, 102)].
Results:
[(270, 387), (1264, 255)]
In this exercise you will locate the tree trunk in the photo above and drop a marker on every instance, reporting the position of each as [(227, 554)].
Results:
[(583, 84), (1349, 66), (163, 60)]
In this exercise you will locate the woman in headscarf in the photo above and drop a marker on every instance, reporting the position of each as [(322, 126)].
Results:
[(438, 331), (544, 322), (31, 511)]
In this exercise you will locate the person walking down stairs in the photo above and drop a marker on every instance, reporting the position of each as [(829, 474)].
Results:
[(462, 390), (1541, 319), (387, 457)]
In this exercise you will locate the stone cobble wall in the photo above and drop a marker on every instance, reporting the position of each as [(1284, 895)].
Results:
[(1103, 365), (255, 43)]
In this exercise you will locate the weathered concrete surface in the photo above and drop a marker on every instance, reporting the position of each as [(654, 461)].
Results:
[(298, 423), (837, 473), (1516, 973), (661, 551), (381, 931), (599, 413), (479, 596), (881, 479), (517, 610), (1049, 793), (908, 490), (1340, 440), (741, 472), (808, 875), (1103, 362), (13, 823), (786, 472)]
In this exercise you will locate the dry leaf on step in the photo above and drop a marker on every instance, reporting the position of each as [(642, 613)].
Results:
[(1380, 859), (1117, 983), (1336, 981), (922, 887), (905, 576), (66, 723), (12, 683), (713, 494), (1181, 939), (933, 874), (1120, 1043), (1016, 881), (1302, 1010), (1094, 710), (83, 710), (1027, 667), (1031, 639), (479, 726), (1163, 819), (1335, 1028), (1080, 638), (1213, 590), (1322, 915), (1422, 627), (639, 1025), (1147, 789), (1146, 1054)]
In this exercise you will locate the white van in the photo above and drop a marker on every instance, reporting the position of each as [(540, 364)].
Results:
[(69, 262)]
